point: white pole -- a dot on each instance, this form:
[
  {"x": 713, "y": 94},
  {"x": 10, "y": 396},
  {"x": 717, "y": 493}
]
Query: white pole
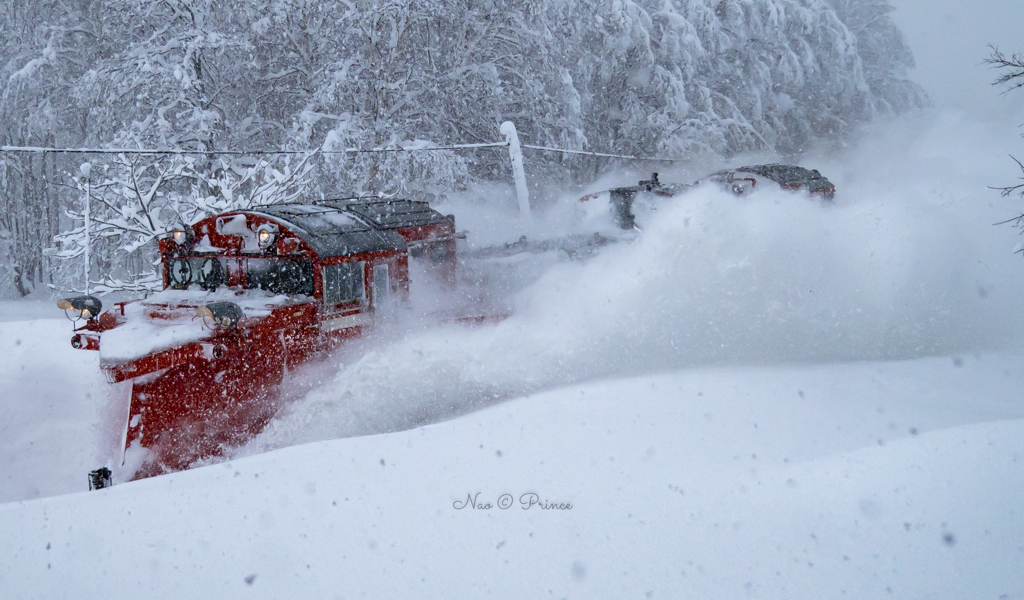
[
  {"x": 515, "y": 152},
  {"x": 86, "y": 169}
]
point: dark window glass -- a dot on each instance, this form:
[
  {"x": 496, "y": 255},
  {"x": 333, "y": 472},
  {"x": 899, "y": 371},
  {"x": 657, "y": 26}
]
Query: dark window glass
[
  {"x": 343, "y": 283},
  {"x": 179, "y": 271},
  {"x": 207, "y": 272},
  {"x": 280, "y": 276}
]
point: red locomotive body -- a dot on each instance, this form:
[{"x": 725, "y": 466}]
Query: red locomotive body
[{"x": 248, "y": 295}]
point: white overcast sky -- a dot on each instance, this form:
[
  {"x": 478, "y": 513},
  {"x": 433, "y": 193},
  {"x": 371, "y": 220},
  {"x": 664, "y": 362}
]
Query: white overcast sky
[{"x": 949, "y": 39}]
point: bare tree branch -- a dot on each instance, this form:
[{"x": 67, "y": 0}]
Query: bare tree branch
[
  {"x": 1013, "y": 65},
  {"x": 1006, "y": 191}
]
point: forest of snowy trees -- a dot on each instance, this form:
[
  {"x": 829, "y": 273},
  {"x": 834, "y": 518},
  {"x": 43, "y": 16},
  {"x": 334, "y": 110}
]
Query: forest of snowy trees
[{"x": 676, "y": 78}]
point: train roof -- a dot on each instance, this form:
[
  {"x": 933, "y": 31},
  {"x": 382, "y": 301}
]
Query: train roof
[
  {"x": 343, "y": 226},
  {"x": 390, "y": 213},
  {"x": 332, "y": 230}
]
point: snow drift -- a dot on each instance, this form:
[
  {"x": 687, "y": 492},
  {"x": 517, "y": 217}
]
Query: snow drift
[{"x": 868, "y": 480}]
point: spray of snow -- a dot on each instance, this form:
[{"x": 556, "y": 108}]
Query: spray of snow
[{"x": 905, "y": 264}]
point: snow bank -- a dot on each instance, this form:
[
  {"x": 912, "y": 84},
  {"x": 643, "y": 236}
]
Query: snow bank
[
  {"x": 869, "y": 480},
  {"x": 53, "y": 406}
]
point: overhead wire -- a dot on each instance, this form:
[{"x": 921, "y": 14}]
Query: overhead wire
[{"x": 171, "y": 152}]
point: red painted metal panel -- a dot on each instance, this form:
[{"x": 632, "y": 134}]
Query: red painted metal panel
[{"x": 191, "y": 401}]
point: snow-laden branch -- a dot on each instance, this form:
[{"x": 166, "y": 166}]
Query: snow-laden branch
[{"x": 140, "y": 197}]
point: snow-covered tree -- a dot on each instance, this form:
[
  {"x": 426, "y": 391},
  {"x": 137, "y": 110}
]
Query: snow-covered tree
[
  {"x": 135, "y": 200},
  {"x": 396, "y": 81},
  {"x": 44, "y": 47},
  {"x": 883, "y": 52}
]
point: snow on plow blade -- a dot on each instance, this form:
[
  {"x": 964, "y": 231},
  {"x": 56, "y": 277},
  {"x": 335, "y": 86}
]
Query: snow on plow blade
[{"x": 191, "y": 400}]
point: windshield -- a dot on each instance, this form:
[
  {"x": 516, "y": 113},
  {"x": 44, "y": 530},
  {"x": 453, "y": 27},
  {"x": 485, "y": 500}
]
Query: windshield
[
  {"x": 276, "y": 275},
  {"x": 280, "y": 276}
]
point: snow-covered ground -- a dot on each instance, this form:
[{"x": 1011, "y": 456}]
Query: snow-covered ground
[
  {"x": 855, "y": 480},
  {"x": 51, "y": 399},
  {"x": 763, "y": 398}
]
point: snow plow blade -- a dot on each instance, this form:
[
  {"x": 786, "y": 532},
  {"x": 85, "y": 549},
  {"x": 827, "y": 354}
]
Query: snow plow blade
[{"x": 195, "y": 409}]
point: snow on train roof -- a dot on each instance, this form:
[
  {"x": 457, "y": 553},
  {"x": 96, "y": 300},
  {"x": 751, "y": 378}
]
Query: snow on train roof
[
  {"x": 392, "y": 213},
  {"x": 333, "y": 230}
]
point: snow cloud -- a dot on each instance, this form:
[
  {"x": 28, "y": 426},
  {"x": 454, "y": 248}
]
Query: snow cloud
[{"x": 906, "y": 263}]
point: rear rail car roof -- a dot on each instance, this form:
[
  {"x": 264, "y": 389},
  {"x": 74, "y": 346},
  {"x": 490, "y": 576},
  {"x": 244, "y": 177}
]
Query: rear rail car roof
[{"x": 791, "y": 176}]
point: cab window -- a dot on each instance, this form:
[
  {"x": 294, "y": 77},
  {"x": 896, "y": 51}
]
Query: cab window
[
  {"x": 280, "y": 276},
  {"x": 344, "y": 283}
]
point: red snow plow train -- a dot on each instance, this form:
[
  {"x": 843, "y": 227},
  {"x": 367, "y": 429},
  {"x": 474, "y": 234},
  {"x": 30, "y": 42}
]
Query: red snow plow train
[{"x": 248, "y": 295}]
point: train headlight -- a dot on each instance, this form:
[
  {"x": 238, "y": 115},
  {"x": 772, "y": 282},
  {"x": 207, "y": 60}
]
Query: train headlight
[
  {"x": 267, "y": 234},
  {"x": 81, "y": 307},
  {"x": 182, "y": 235},
  {"x": 223, "y": 314}
]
